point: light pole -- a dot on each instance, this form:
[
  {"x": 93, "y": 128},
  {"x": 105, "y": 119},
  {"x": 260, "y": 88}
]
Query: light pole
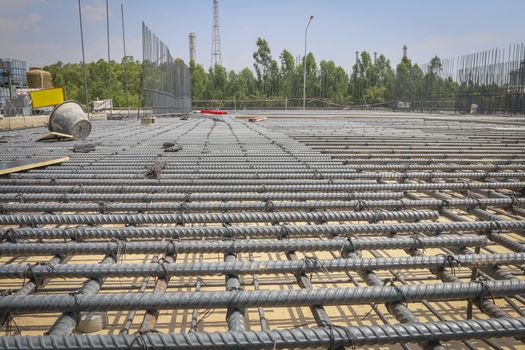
[{"x": 304, "y": 62}]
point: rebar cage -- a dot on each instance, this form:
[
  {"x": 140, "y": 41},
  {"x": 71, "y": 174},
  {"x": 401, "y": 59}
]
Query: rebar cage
[{"x": 370, "y": 231}]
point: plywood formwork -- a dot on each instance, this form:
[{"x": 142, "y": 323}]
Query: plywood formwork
[{"x": 433, "y": 205}]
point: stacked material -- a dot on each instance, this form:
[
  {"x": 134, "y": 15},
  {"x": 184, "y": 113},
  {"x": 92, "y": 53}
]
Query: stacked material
[{"x": 290, "y": 232}]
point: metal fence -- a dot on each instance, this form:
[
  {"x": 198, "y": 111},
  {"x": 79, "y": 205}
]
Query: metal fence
[
  {"x": 486, "y": 82},
  {"x": 166, "y": 81},
  {"x": 493, "y": 80}
]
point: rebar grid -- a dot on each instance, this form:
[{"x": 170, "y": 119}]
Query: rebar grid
[{"x": 294, "y": 232}]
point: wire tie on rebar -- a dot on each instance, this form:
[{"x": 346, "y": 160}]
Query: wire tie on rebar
[
  {"x": 349, "y": 246},
  {"x": 451, "y": 261},
  {"x": 201, "y": 316},
  {"x": 9, "y": 235},
  {"x": 3, "y": 210},
  {"x": 162, "y": 268},
  {"x": 444, "y": 204},
  {"x": 269, "y": 206},
  {"x": 31, "y": 275},
  {"x": 350, "y": 196},
  {"x": 180, "y": 221},
  {"x": 405, "y": 175},
  {"x": 417, "y": 243},
  {"x": 119, "y": 251},
  {"x": 399, "y": 291},
  {"x": 20, "y": 198},
  {"x": 485, "y": 289},
  {"x": 230, "y": 250},
  {"x": 63, "y": 198},
  {"x": 360, "y": 205},
  {"x": 309, "y": 264},
  {"x": 102, "y": 208},
  {"x": 331, "y": 329},
  {"x": 514, "y": 202},
  {"x": 224, "y": 221},
  {"x": 184, "y": 207},
  {"x": 172, "y": 242},
  {"x": 497, "y": 227},
  {"x": 140, "y": 340},
  {"x": 284, "y": 232}
]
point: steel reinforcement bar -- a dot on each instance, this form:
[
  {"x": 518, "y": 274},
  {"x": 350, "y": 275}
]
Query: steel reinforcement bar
[
  {"x": 265, "y": 298},
  {"x": 79, "y": 233},
  {"x": 239, "y": 246},
  {"x": 191, "y": 197},
  {"x": 306, "y": 265},
  {"x": 263, "y": 206},
  {"x": 332, "y": 336},
  {"x": 299, "y": 187},
  {"x": 224, "y": 218}
]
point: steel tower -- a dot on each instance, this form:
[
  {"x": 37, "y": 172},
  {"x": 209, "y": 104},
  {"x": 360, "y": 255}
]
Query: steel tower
[{"x": 216, "y": 56}]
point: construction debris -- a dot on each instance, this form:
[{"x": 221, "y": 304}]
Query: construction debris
[
  {"x": 154, "y": 170},
  {"x": 147, "y": 120},
  {"x": 85, "y": 148}
]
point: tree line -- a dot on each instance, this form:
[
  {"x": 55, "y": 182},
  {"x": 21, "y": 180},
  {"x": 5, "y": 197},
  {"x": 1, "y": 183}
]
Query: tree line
[
  {"x": 70, "y": 76},
  {"x": 371, "y": 81}
]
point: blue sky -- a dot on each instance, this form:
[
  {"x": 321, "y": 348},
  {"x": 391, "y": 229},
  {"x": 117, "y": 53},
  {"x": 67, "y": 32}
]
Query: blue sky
[{"x": 45, "y": 31}]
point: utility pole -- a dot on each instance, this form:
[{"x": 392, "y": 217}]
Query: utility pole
[
  {"x": 83, "y": 55},
  {"x": 125, "y": 62},
  {"x": 109, "y": 60},
  {"x": 304, "y": 62}
]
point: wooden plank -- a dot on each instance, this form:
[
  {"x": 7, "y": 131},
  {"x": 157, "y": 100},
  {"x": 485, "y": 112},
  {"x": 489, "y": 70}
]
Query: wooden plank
[
  {"x": 8, "y": 167},
  {"x": 55, "y": 136}
]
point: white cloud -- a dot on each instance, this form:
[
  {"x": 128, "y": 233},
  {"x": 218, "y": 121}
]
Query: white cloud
[{"x": 95, "y": 12}]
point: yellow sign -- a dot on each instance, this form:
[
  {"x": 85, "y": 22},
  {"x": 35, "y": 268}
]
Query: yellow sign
[{"x": 47, "y": 97}]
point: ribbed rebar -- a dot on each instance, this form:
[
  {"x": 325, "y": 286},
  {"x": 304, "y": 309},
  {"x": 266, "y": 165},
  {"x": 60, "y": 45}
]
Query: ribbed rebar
[
  {"x": 225, "y": 218},
  {"x": 297, "y": 337},
  {"x": 270, "y": 231},
  {"x": 261, "y": 188},
  {"x": 260, "y": 267},
  {"x": 267, "y": 298},
  {"x": 261, "y": 206}
]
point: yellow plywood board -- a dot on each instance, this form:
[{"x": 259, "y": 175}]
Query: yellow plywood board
[
  {"x": 55, "y": 136},
  {"x": 47, "y": 97},
  {"x": 8, "y": 167}
]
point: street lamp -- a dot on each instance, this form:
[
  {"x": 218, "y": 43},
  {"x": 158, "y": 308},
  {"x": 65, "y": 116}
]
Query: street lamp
[{"x": 304, "y": 63}]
